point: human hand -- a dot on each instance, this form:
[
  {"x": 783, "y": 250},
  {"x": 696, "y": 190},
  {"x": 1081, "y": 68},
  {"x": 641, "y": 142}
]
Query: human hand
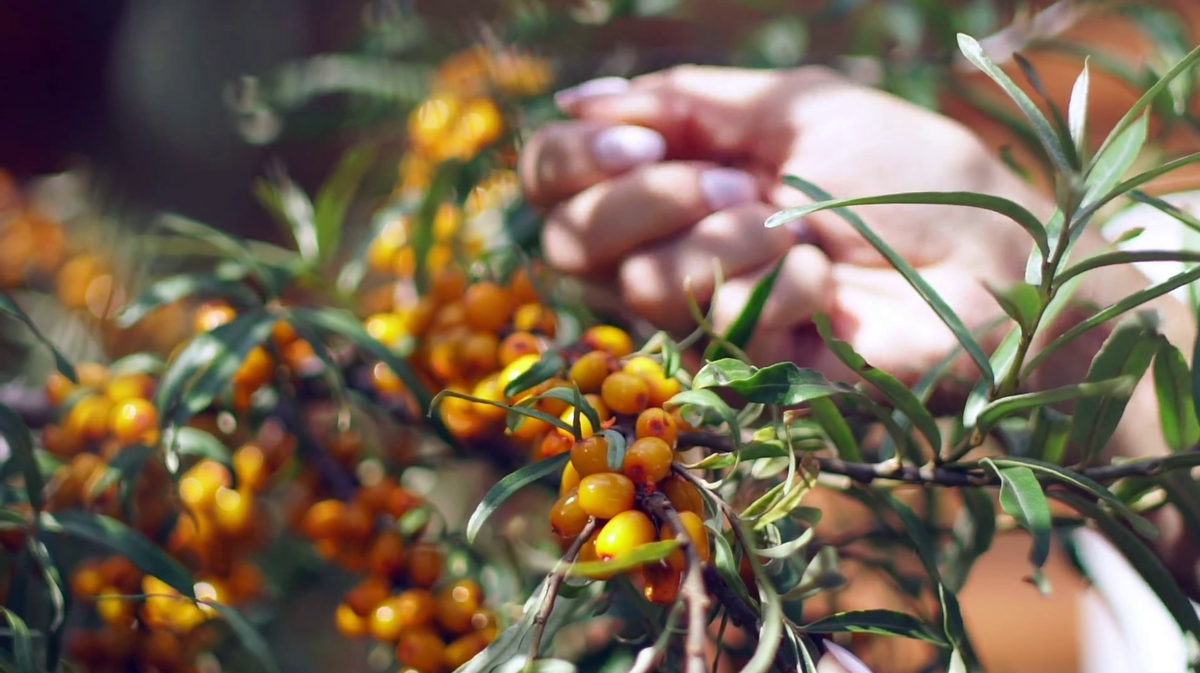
[{"x": 656, "y": 177}]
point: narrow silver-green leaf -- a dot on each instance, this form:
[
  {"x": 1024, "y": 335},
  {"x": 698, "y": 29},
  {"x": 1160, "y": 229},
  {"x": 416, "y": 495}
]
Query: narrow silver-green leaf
[
  {"x": 1007, "y": 406},
  {"x": 181, "y": 286},
  {"x": 1021, "y": 302},
  {"x": 1022, "y": 498},
  {"x": 509, "y": 485},
  {"x": 782, "y": 384},
  {"x": 742, "y": 329},
  {"x": 877, "y": 622},
  {"x": 1176, "y": 405},
  {"x": 22, "y": 642},
  {"x": 1125, "y": 257},
  {"x": 1110, "y": 166},
  {"x": 249, "y": 637},
  {"x": 835, "y": 426},
  {"x": 336, "y": 195},
  {"x": 8, "y": 306},
  {"x": 20, "y": 445},
  {"x": 1077, "y": 111}
]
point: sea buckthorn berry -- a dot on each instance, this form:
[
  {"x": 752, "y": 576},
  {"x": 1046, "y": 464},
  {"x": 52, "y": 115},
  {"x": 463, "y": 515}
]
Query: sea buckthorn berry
[
  {"x": 598, "y": 404},
  {"x": 87, "y": 581},
  {"x": 233, "y": 511},
  {"x": 160, "y": 649},
  {"x": 591, "y": 456},
  {"x": 567, "y": 517},
  {"x": 113, "y": 607},
  {"x": 246, "y": 581},
  {"x": 386, "y": 328},
  {"x": 250, "y": 465},
  {"x": 416, "y": 608},
  {"x": 92, "y": 375},
  {"x": 680, "y": 422},
  {"x": 385, "y": 381},
  {"x": 662, "y": 389},
  {"x": 282, "y": 333},
  {"x": 590, "y": 371},
  {"x": 477, "y": 354},
  {"x": 424, "y": 565},
  {"x": 387, "y": 554},
  {"x": 606, "y": 495},
  {"x": 130, "y": 386},
  {"x": 612, "y": 340},
  {"x": 439, "y": 257},
  {"x": 134, "y": 420},
  {"x": 61, "y": 441},
  {"x": 462, "y": 650},
  {"x": 368, "y": 594},
  {"x": 58, "y": 387},
  {"x": 300, "y": 357},
  {"x": 382, "y": 251},
  {"x": 656, "y": 422},
  {"x": 570, "y": 479},
  {"x": 624, "y": 533},
  {"x": 212, "y": 315},
  {"x": 643, "y": 365},
  {"x": 585, "y": 424},
  {"x": 89, "y": 417},
  {"x": 588, "y": 554},
  {"x": 648, "y": 460},
  {"x": 323, "y": 520},
  {"x": 697, "y": 533},
  {"x": 662, "y": 583},
  {"x": 457, "y": 605},
  {"x": 553, "y": 444},
  {"x": 401, "y": 501},
  {"x": 357, "y": 524},
  {"x": 535, "y": 318},
  {"x": 421, "y": 649},
  {"x": 523, "y": 287},
  {"x": 349, "y": 623},
  {"x": 517, "y": 367},
  {"x": 199, "y": 486},
  {"x": 517, "y": 345},
  {"x": 420, "y": 317},
  {"x": 625, "y": 393},
  {"x": 488, "y": 306},
  {"x": 683, "y": 496},
  {"x": 431, "y": 121},
  {"x": 404, "y": 264},
  {"x": 255, "y": 369},
  {"x": 448, "y": 285}
]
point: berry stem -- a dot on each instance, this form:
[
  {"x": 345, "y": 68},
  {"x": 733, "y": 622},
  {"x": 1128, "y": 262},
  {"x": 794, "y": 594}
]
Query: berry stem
[
  {"x": 553, "y": 583},
  {"x": 694, "y": 592}
]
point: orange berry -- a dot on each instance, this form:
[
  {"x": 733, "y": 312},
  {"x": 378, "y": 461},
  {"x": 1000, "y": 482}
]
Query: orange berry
[
  {"x": 424, "y": 565},
  {"x": 590, "y": 371},
  {"x": 422, "y": 650},
  {"x": 535, "y": 318},
  {"x": 683, "y": 495},
  {"x": 517, "y": 345},
  {"x": 588, "y": 554},
  {"x": 323, "y": 520},
  {"x": 87, "y": 581},
  {"x": 357, "y": 524},
  {"x": 349, "y": 623},
  {"x": 401, "y": 501},
  {"x": 404, "y": 264},
  {"x": 554, "y": 444},
  {"x": 624, "y": 533},
  {"x": 74, "y": 278},
  {"x": 590, "y": 456},
  {"x": 477, "y": 354},
  {"x": 58, "y": 387},
  {"x": 283, "y": 333},
  {"x": 89, "y": 418},
  {"x": 462, "y": 650},
  {"x": 299, "y": 356},
  {"x": 385, "y": 381},
  {"x": 655, "y": 422},
  {"x": 130, "y": 386},
  {"x": 446, "y": 223},
  {"x": 662, "y": 389},
  {"x": 212, "y": 315},
  {"x": 662, "y": 583},
  {"x": 567, "y": 518},
  {"x": 488, "y": 306},
  {"x": 644, "y": 365},
  {"x": 246, "y": 581},
  {"x": 61, "y": 441},
  {"x": 387, "y": 554},
  {"x": 522, "y": 286},
  {"x": 233, "y": 511},
  {"x": 570, "y": 479},
  {"x": 420, "y": 318},
  {"x": 597, "y": 403},
  {"x": 606, "y": 495},
  {"x": 92, "y": 375},
  {"x": 255, "y": 370},
  {"x": 250, "y": 465},
  {"x": 386, "y": 328},
  {"x": 625, "y": 393},
  {"x": 448, "y": 284},
  {"x": 457, "y": 605},
  {"x": 383, "y": 249},
  {"x": 160, "y": 649},
  {"x": 367, "y": 595},
  {"x": 113, "y": 608},
  {"x": 134, "y": 420},
  {"x": 693, "y": 525},
  {"x": 516, "y": 368},
  {"x": 612, "y": 340},
  {"x": 648, "y": 460}
]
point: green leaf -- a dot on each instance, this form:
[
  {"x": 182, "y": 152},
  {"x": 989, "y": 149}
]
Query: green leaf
[
  {"x": 228, "y": 246},
  {"x": 742, "y": 329},
  {"x": 1179, "y": 214},
  {"x": 788, "y": 549},
  {"x": 124, "y": 468},
  {"x": 891, "y": 388},
  {"x": 616, "y": 449},
  {"x": 707, "y": 400},
  {"x": 877, "y": 622},
  {"x": 1065, "y": 141},
  {"x": 923, "y": 288},
  {"x": 1143, "y": 559},
  {"x": 204, "y": 351},
  {"x": 1113, "y": 163},
  {"x": 123, "y": 540},
  {"x": 782, "y": 384},
  {"x": 1022, "y": 498},
  {"x": 174, "y": 288},
  {"x": 329, "y": 321},
  {"x": 509, "y": 485},
  {"x": 568, "y": 395},
  {"x": 8, "y": 306},
  {"x": 235, "y": 347},
  {"x": 138, "y": 363},
  {"x": 1148, "y": 98},
  {"x": 1021, "y": 302},
  {"x": 1077, "y": 111},
  {"x": 1132, "y": 184},
  {"x": 1081, "y": 482},
  {"x": 1176, "y": 404},
  {"x": 20, "y": 444},
  {"x": 292, "y": 209},
  {"x": 548, "y": 367},
  {"x": 771, "y": 634},
  {"x": 1125, "y": 257},
  {"x": 826, "y": 413},
  {"x": 1007, "y": 406},
  {"x": 247, "y": 635},
  {"x": 973, "y": 533},
  {"x": 439, "y": 191},
  {"x": 22, "y": 642},
  {"x": 647, "y": 553},
  {"x": 1126, "y": 353},
  {"x": 1104, "y": 315},
  {"x": 1010, "y": 209},
  {"x": 335, "y": 196},
  {"x": 1048, "y": 438},
  {"x": 1041, "y": 126}
]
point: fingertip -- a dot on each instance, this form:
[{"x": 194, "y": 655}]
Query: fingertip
[
  {"x": 568, "y": 100},
  {"x": 622, "y": 147}
]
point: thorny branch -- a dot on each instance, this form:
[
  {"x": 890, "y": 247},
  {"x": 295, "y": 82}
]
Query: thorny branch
[
  {"x": 693, "y": 589},
  {"x": 553, "y": 583}
]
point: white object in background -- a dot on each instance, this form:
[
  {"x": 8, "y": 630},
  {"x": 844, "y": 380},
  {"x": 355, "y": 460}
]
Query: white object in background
[{"x": 1161, "y": 232}]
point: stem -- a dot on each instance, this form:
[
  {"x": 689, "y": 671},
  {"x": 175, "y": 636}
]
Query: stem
[
  {"x": 553, "y": 583},
  {"x": 694, "y": 592}
]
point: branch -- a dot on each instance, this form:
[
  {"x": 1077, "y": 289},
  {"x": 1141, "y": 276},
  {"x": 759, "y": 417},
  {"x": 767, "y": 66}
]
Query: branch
[
  {"x": 553, "y": 583},
  {"x": 694, "y": 592}
]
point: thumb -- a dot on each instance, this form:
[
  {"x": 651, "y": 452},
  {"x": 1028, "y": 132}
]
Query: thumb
[{"x": 698, "y": 109}]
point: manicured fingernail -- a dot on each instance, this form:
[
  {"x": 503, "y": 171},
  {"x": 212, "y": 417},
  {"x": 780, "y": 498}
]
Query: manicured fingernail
[
  {"x": 622, "y": 147},
  {"x": 845, "y": 659},
  {"x": 603, "y": 86},
  {"x": 727, "y": 187}
]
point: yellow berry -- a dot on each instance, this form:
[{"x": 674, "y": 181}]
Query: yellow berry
[
  {"x": 624, "y": 534},
  {"x": 606, "y": 495}
]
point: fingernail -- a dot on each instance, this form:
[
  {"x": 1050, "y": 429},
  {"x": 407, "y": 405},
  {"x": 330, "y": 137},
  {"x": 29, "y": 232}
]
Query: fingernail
[
  {"x": 602, "y": 86},
  {"x": 727, "y": 187},
  {"x": 622, "y": 147},
  {"x": 845, "y": 659}
]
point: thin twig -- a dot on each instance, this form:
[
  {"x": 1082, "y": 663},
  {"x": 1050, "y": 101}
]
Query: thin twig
[
  {"x": 553, "y": 583},
  {"x": 694, "y": 592}
]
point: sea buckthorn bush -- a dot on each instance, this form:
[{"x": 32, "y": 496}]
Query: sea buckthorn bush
[{"x": 260, "y": 409}]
